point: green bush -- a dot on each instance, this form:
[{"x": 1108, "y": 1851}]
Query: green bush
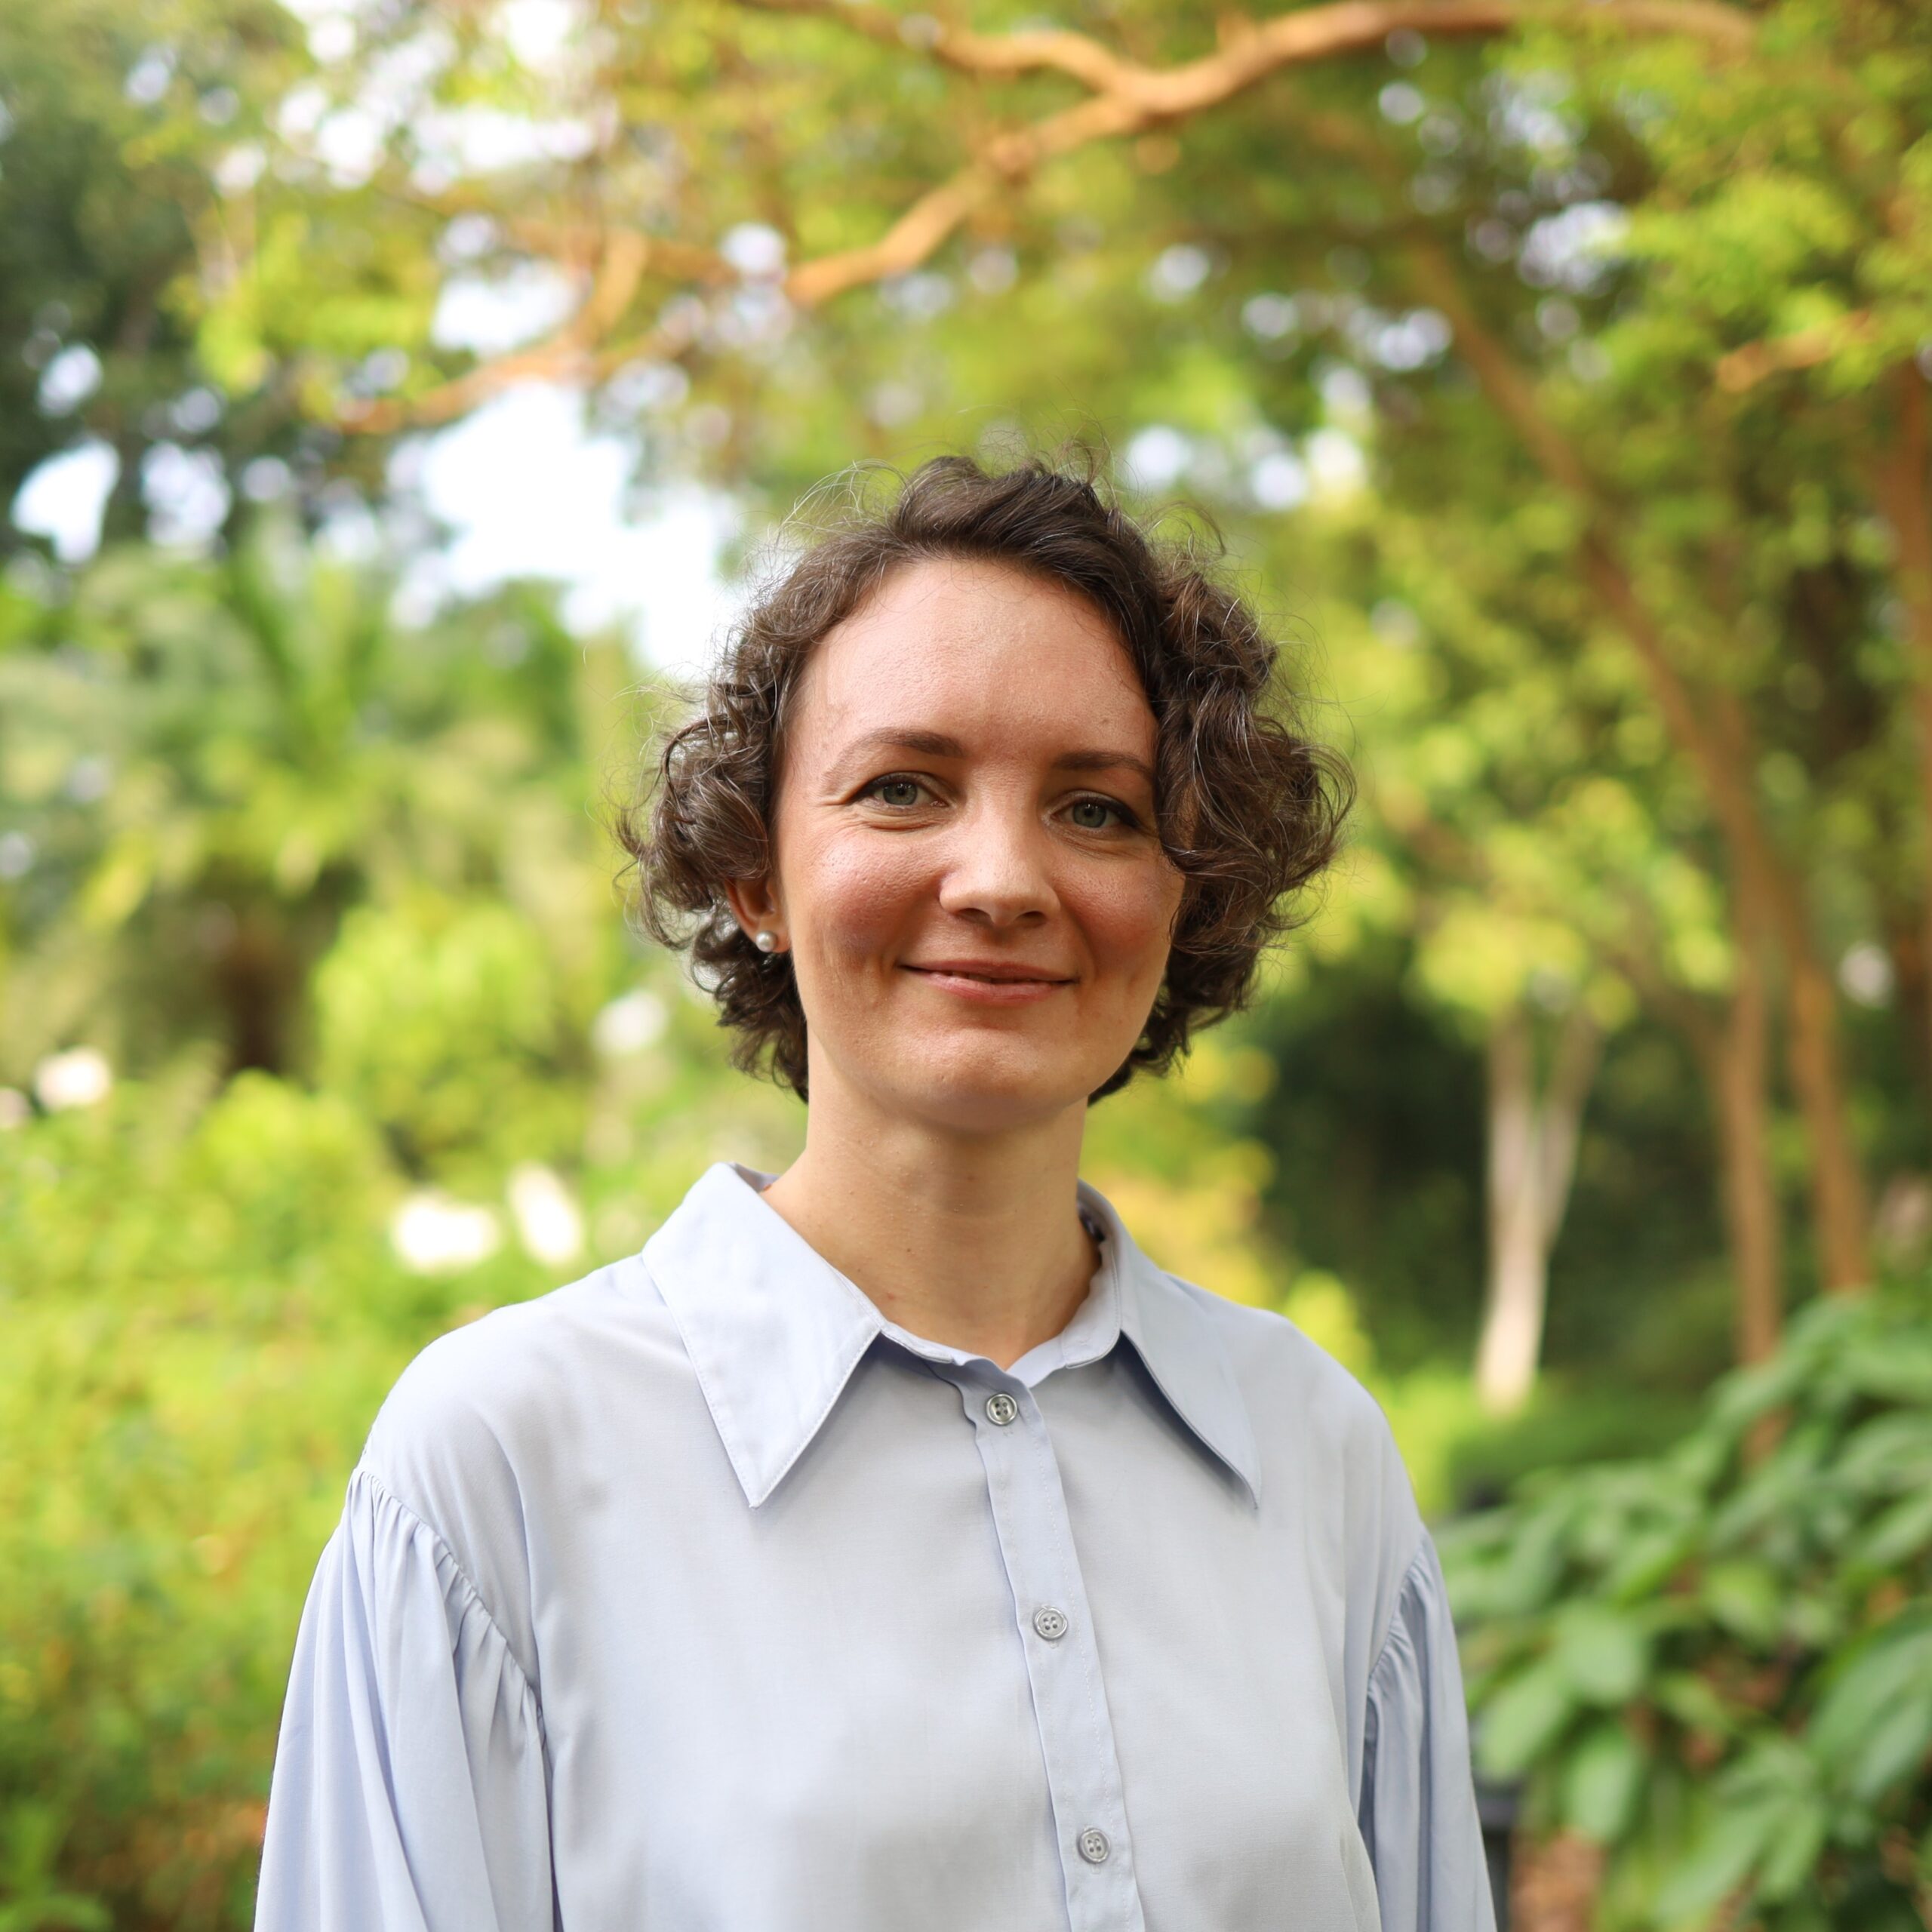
[
  {"x": 1716, "y": 1663},
  {"x": 200, "y": 1313},
  {"x": 443, "y": 1021}
]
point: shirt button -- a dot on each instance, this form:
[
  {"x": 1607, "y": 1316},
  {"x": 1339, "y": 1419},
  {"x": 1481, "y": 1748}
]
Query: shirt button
[
  {"x": 1051, "y": 1623},
  {"x": 1093, "y": 1846},
  {"x": 1001, "y": 1408}
]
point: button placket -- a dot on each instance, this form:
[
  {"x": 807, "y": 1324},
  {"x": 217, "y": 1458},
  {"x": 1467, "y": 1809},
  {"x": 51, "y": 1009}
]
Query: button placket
[{"x": 1063, "y": 1668}]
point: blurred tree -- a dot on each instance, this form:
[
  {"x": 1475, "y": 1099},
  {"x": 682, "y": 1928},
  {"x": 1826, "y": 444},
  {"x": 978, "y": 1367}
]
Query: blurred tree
[
  {"x": 213, "y": 761},
  {"x": 119, "y": 124},
  {"x": 1663, "y": 370}
]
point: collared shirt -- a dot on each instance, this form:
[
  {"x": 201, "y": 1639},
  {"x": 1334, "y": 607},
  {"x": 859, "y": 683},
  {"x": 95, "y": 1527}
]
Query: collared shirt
[{"x": 698, "y": 1597}]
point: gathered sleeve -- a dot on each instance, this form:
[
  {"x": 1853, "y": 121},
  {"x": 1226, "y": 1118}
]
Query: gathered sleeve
[
  {"x": 409, "y": 1792},
  {"x": 1418, "y": 1815}
]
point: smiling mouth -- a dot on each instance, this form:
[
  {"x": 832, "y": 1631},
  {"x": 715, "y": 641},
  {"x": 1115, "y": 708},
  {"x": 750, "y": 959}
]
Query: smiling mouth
[{"x": 993, "y": 978}]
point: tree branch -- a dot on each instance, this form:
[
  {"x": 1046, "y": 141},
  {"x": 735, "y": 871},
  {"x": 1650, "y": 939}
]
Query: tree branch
[
  {"x": 1255, "y": 49},
  {"x": 1745, "y": 368},
  {"x": 573, "y": 350},
  {"x": 1125, "y": 97},
  {"x": 1128, "y": 98}
]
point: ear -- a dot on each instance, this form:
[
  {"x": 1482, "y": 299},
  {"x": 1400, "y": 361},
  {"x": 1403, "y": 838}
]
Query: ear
[{"x": 756, "y": 908}]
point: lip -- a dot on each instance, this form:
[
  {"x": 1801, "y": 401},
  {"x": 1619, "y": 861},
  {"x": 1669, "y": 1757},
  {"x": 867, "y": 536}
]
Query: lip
[{"x": 989, "y": 982}]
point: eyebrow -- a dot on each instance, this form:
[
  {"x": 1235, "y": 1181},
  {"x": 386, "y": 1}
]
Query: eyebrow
[{"x": 938, "y": 744}]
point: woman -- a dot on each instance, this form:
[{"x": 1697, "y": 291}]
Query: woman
[{"x": 891, "y": 1545}]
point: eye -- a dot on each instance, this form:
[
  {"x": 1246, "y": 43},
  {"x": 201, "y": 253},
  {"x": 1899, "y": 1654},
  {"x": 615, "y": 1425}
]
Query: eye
[
  {"x": 897, "y": 790},
  {"x": 1096, "y": 814}
]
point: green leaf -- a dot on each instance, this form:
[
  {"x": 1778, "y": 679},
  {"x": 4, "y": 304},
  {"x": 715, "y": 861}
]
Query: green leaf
[
  {"x": 1892, "y": 1451},
  {"x": 1793, "y": 1856},
  {"x": 1894, "y": 1747},
  {"x": 1904, "y": 1531},
  {"x": 1745, "y": 1597},
  {"x": 1646, "y": 1559},
  {"x": 1897, "y": 1368},
  {"x": 1602, "y": 1652},
  {"x": 1690, "y": 1698},
  {"x": 1521, "y": 1721},
  {"x": 1875, "y": 1720},
  {"x": 1602, "y": 1780},
  {"x": 1718, "y": 1859}
]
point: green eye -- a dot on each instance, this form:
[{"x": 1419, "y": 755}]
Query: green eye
[
  {"x": 900, "y": 792},
  {"x": 1094, "y": 814}
]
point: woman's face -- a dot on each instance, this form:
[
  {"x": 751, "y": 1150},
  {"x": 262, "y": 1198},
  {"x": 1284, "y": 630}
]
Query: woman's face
[{"x": 967, "y": 872}]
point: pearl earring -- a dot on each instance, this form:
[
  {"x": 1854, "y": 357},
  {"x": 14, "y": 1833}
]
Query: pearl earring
[{"x": 765, "y": 939}]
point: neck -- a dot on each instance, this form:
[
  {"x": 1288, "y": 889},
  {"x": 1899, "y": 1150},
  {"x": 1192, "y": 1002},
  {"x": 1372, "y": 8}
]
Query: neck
[{"x": 973, "y": 1241}]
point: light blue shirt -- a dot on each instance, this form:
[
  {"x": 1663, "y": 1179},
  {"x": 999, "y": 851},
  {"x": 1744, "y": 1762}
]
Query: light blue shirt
[{"x": 698, "y": 1597}]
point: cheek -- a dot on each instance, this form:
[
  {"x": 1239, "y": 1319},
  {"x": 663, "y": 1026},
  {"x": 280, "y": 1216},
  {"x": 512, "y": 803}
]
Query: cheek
[
  {"x": 850, "y": 897},
  {"x": 1128, "y": 919}
]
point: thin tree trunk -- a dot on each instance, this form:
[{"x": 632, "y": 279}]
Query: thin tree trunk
[
  {"x": 1741, "y": 1087},
  {"x": 1902, "y": 493},
  {"x": 1734, "y": 1059},
  {"x": 1768, "y": 900},
  {"x": 1532, "y": 1160},
  {"x": 1578, "y": 1046},
  {"x": 1513, "y": 1311}
]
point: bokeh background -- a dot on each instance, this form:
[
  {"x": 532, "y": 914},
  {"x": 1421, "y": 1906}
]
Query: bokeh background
[{"x": 396, "y": 401}]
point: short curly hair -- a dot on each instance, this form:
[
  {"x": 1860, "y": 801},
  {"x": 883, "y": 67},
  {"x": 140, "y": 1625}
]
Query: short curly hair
[{"x": 1249, "y": 808}]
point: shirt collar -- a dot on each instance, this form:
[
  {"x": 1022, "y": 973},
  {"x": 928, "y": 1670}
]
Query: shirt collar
[{"x": 774, "y": 1331}]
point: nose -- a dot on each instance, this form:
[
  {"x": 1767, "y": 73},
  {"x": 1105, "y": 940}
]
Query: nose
[{"x": 998, "y": 872}]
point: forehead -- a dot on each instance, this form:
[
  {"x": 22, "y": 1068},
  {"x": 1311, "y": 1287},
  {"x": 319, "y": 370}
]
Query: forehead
[{"x": 979, "y": 650}]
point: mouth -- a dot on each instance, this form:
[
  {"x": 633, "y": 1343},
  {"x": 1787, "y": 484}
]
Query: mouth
[
  {"x": 996, "y": 972},
  {"x": 1000, "y": 982}
]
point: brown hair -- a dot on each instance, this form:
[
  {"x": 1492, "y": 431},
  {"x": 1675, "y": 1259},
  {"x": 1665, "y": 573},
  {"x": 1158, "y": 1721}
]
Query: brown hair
[{"x": 1250, "y": 809}]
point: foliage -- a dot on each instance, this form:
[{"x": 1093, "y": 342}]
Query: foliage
[
  {"x": 115, "y": 119},
  {"x": 1718, "y": 1662},
  {"x": 1445, "y": 326},
  {"x": 195, "y": 1320},
  {"x": 1583, "y": 358},
  {"x": 214, "y": 759}
]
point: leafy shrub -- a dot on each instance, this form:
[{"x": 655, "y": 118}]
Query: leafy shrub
[
  {"x": 201, "y": 1312},
  {"x": 444, "y": 1021},
  {"x": 1717, "y": 1664}
]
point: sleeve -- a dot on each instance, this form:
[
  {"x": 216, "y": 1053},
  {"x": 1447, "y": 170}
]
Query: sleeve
[
  {"x": 409, "y": 1792},
  {"x": 1418, "y": 1815}
]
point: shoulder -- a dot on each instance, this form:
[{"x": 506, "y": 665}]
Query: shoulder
[
  {"x": 483, "y": 1388},
  {"x": 1323, "y": 1440},
  {"x": 491, "y": 1423},
  {"x": 1292, "y": 1380}
]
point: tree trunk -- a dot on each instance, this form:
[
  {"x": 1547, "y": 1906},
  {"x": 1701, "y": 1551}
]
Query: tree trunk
[
  {"x": 1532, "y": 1160},
  {"x": 1902, "y": 493},
  {"x": 1741, "y": 1084},
  {"x": 1513, "y": 1310},
  {"x": 1768, "y": 899},
  {"x": 1734, "y": 1059}
]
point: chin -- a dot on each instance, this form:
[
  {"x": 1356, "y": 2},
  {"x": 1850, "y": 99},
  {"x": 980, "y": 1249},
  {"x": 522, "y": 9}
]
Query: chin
[{"x": 985, "y": 1085}]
